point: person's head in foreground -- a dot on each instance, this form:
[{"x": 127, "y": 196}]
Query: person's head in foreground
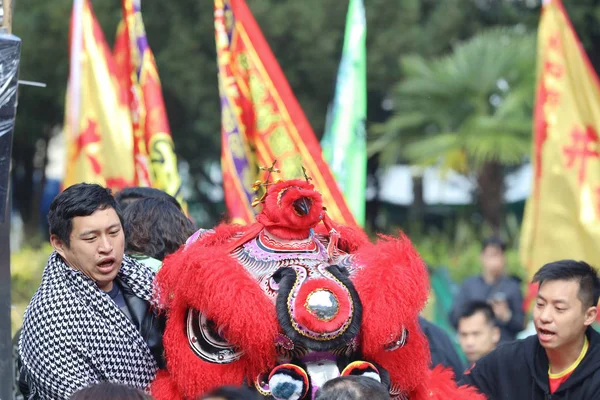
[
  {"x": 352, "y": 388},
  {"x": 155, "y": 228},
  {"x": 130, "y": 195},
  {"x": 230, "y": 393},
  {"x": 477, "y": 331},
  {"x": 566, "y": 304},
  {"x": 86, "y": 231},
  {"x": 110, "y": 391}
]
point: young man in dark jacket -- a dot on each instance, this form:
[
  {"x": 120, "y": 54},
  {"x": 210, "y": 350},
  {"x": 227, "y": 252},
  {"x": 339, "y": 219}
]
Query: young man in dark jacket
[
  {"x": 563, "y": 360},
  {"x": 493, "y": 286}
]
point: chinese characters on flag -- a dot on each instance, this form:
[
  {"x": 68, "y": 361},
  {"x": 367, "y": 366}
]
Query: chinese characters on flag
[
  {"x": 582, "y": 147},
  {"x": 562, "y": 216}
]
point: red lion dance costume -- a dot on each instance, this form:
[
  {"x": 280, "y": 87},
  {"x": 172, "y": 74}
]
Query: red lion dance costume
[{"x": 292, "y": 301}]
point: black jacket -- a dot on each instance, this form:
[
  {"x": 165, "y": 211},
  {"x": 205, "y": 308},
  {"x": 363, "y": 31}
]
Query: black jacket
[
  {"x": 519, "y": 370},
  {"x": 442, "y": 348},
  {"x": 150, "y": 325},
  {"x": 476, "y": 289}
]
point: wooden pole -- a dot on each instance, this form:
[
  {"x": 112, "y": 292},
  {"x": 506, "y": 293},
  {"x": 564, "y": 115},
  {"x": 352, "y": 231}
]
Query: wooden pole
[{"x": 7, "y": 6}]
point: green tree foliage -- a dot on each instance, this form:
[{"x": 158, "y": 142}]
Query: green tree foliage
[
  {"x": 469, "y": 111},
  {"x": 466, "y": 108}
]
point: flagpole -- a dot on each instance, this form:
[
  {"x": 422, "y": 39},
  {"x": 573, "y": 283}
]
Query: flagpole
[
  {"x": 7, "y": 7},
  {"x": 75, "y": 68}
]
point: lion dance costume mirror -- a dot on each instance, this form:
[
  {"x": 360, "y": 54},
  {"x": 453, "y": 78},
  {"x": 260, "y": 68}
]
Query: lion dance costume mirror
[{"x": 292, "y": 301}]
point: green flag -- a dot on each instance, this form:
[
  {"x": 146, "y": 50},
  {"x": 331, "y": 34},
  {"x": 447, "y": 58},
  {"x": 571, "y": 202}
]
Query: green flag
[{"x": 344, "y": 142}]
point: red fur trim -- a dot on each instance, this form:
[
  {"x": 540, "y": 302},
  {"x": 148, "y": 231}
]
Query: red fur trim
[
  {"x": 206, "y": 278},
  {"x": 308, "y": 319},
  {"x": 193, "y": 376},
  {"x": 169, "y": 276},
  {"x": 440, "y": 385},
  {"x": 393, "y": 287},
  {"x": 222, "y": 234},
  {"x": 351, "y": 239},
  {"x": 407, "y": 365},
  {"x": 164, "y": 388}
]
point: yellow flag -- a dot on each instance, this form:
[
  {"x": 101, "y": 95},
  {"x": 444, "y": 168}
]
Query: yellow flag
[
  {"x": 562, "y": 216},
  {"x": 98, "y": 125}
]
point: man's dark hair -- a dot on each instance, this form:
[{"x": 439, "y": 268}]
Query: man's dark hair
[
  {"x": 232, "y": 393},
  {"x": 79, "y": 200},
  {"x": 130, "y": 195},
  {"x": 110, "y": 391},
  {"x": 493, "y": 241},
  {"x": 571, "y": 270},
  {"x": 155, "y": 228},
  {"x": 473, "y": 307},
  {"x": 352, "y": 388}
]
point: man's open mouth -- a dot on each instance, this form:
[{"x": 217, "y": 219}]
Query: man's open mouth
[
  {"x": 106, "y": 263},
  {"x": 545, "y": 334}
]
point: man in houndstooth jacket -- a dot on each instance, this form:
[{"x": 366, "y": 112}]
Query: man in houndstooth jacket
[{"x": 90, "y": 320}]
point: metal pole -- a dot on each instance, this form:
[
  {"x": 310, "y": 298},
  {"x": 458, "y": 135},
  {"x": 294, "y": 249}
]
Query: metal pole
[
  {"x": 6, "y": 350},
  {"x": 10, "y": 49}
]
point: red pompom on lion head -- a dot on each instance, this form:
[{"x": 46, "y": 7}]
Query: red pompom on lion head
[{"x": 291, "y": 208}]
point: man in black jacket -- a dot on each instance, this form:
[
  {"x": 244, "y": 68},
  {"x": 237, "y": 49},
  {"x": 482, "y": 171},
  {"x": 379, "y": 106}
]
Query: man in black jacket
[
  {"x": 493, "y": 286},
  {"x": 563, "y": 360},
  {"x": 90, "y": 320}
]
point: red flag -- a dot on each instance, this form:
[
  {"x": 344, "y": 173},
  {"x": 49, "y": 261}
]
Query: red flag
[
  {"x": 156, "y": 162},
  {"x": 127, "y": 75},
  {"x": 261, "y": 119}
]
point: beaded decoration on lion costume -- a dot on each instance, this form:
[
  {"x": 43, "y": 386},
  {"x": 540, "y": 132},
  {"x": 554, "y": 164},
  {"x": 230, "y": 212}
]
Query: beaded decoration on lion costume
[{"x": 292, "y": 301}]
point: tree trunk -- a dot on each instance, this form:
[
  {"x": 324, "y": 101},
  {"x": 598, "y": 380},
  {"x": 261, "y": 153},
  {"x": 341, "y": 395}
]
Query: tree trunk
[
  {"x": 372, "y": 207},
  {"x": 23, "y": 180},
  {"x": 417, "y": 209},
  {"x": 34, "y": 225},
  {"x": 490, "y": 194}
]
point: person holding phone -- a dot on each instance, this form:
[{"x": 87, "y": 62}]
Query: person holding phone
[{"x": 501, "y": 292}]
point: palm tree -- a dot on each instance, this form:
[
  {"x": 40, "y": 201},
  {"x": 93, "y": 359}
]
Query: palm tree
[{"x": 469, "y": 111}]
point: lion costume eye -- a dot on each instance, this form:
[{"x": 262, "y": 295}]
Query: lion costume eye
[
  {"x": 282, "y": 192},
  {"x": 399, "y": 342},
  {"x": 206, "y": 340},
  {"x": 280, "y": 195}
]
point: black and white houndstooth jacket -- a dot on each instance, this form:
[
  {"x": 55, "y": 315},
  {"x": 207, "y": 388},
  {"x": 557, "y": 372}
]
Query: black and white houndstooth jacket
[{"x": 74, "y": 335}]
